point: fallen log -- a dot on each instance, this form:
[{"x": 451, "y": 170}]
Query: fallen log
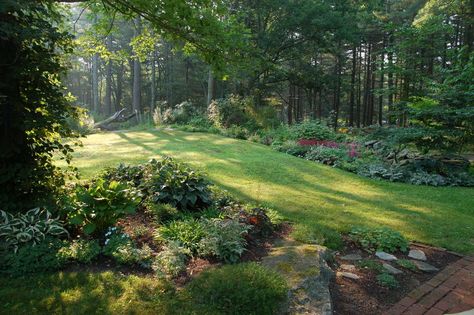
[{"x": 115, "y": 118}]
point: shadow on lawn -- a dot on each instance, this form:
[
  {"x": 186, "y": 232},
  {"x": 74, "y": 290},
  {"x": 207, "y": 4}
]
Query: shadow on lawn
[{"x": 315, "y": 195}]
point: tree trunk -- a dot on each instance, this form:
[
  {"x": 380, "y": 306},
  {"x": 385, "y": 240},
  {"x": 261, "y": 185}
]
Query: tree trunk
[
  {"x": 136, "y": 93},
  {"x": 108, "y": 80},
  {"x": 211, "y": 92},
  {"x": 352, "y": 97}
]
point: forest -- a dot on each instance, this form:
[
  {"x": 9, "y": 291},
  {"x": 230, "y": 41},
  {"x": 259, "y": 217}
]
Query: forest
[{"x": 236, "y": 156}]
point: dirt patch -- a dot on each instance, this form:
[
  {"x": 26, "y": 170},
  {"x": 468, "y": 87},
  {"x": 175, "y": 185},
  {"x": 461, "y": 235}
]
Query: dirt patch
[{"x": 365, "y": 295}]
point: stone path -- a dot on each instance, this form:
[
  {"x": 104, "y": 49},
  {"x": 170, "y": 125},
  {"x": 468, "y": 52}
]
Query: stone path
[{"x": 450, "y": 291}]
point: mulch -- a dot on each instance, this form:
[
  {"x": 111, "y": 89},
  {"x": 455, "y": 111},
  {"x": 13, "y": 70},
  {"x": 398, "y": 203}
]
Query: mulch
[{"x": 366, "y": 296}]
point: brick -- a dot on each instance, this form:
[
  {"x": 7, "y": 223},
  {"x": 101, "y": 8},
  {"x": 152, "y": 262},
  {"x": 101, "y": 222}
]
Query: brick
[
  {"x": 434, "y": 296},
  {"x": 441, "y": 276},
  {"x": 407, "y": 301},
  {"x": 434, "y": 311},
  {"x": 434, "y": 282},
  {"x": 396, "y": 310},
  {"x": 416, "y": 309},
  {"x": 469, "y": 258}
]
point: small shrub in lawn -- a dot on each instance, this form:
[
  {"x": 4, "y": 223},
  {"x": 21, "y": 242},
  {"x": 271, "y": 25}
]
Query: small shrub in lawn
[
  {"x": 407, "y": 264},
  {"x": 101, "y": 205},
  {"x": 237, "y": 132},
  {"x": 168, "y": 181},
  {"x": 31, "y": 227},
  {"x": 379, "y": 239},
  {"x": 370, "y": 264},
  {"x": 32, "y": 258},
  {"x": 238, "y": 289},
  {"x": 224, "y": 239},
  {"x": 387, "y": 280},
  {"x": 161, "y": 212},
  {"x": 81, "y": 250},
  {"x": 171, "y": 260},
  {"x": 188, "y": 233}
]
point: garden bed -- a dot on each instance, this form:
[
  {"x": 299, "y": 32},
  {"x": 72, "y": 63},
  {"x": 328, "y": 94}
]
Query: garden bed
[{"x": 366, "y": 295}]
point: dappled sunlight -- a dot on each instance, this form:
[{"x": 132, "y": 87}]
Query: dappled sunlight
[{"x": 312, "y": 194}]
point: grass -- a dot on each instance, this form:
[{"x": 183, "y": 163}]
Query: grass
[
  {"x": 317, "y": 198},
  {"x": 234, "y": 289}
]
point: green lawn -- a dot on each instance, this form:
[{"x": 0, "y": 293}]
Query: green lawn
[{"x": 316, "y": 197}]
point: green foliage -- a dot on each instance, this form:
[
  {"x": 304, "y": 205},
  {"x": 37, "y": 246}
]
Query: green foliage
[
  {"x": 379, "y": 239},
  {"x": 162, "y": 212},
  {"x": 82, "y": 250},
  {"x": 123, "y": 173},
  {"x": 291, "y": 147},
  {"x": 101, "y": 204},
  {"x": 122, "y": 249},
  {"x": 370, "y": 264},
  {"x": 171, "y": 261},
  {"x": 31, "y": 227},
  {"x": 237, "y": 132},
  {"x": 82, "y": 123},
  {"x": 387, "y": 280},
  {"x": 224, "y": 239},
  {"x": 187, "y": 233},
  {"x": 34, "y": 107},
  {"x": 317, "y": 235},
  {"x": 312, "y": 129},
  {"x": 221, "y": 197},
  {"x": 171, "y": 182},
  {"x": 230, "y": 111},
  {"x": 33, "y": 258},
  {"x": 182, "y": 113},
  {"x": 238, "y": 289},
  {"x": 408, "y": 264},
  {"x": 327, "y": 155},
  {"x": 381, "y": 171}
]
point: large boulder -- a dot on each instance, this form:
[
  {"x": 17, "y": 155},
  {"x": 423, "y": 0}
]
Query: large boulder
[{"x": 307, "y": 273}]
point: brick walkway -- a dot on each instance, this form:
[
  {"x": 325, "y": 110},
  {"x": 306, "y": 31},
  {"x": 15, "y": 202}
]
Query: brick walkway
[{"x": 450, "y": 291}]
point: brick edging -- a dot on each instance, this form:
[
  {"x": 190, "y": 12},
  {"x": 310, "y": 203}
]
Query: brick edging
[{"x": 439, "y": 293}]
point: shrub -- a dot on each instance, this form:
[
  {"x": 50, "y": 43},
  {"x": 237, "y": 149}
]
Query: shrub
[
  {"x": 311, "y": 129},
  {"x": 381, "y": 171},
  {"x": 82, "y": 250},
  {"x": 180, "y": 114},
  {"x": 224, "y": 113},
  {"x": 30, "y": 227},
  {"x": 187, "y": 233},
  {"x": 171, "y": 182},
  {"x": 238, "y": 289},
  {"x": 327, "y": 155},
  {"x": 221, "y": 197},
  {"x": 293, "y": 148},
  {"x": 102, "y": 203},
  {"x": 387, "y": 280},
  {"x": 171, "y": 260},
  {"x": 83, "y": 123},
  {"x": 237, "y": 132},
  {"x": 161, "y": 212},
  {"x": 123, "y": 250},
  {"x": 32, "y": 258},
  {"x": 124, "y": 174},
  {"x": 424, "y": 178},
  {"x": 224, "y": 239},
  {"x": 379, "y": 239}
]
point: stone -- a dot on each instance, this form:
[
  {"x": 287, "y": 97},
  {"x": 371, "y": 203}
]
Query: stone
[
  {"x": 424, "y": 266},
  {"x": 385, "y": 256},
  {"x": 348, "y": 267},
  {"x": 370, "y": 143},
  {"x": 417, "y": 254},
  {"x": 392, "y": 270},
  {"x": 305, "y": 269},
  {"x": 348, "y": 275},
  {"x": 352, "y": 257},
  {"x": 403, "y": 154}
]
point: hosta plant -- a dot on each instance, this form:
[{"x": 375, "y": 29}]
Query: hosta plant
[
  {"x": 102, "y": 203},
  {"x": 168, "y": 181},
  {"x": 32, "y": 227}
]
